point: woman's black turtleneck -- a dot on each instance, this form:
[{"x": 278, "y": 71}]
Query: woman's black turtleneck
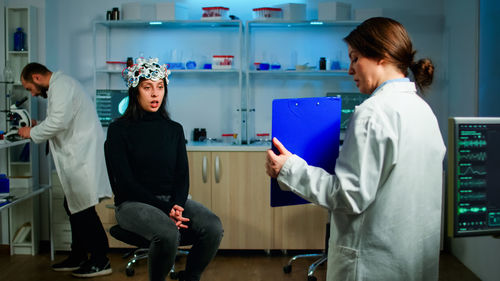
[{"x": 147, "y": 158}]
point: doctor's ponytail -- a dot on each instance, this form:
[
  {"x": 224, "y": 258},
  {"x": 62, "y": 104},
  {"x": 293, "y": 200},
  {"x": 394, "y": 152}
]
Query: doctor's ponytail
[{"x": 423, "y": 71}]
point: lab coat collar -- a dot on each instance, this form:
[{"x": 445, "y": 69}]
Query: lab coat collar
[
  {"x": 53, "y": 79},
  {"x": 400, "y": 86}
]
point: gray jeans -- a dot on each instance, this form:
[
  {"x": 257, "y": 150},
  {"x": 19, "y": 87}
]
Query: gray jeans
[{"x": 204, "y": 233}]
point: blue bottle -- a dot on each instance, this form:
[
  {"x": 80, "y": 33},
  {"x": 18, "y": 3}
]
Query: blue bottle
[
  {"x": 4, "y": 183},
  {"x": 19, "y": 40}
]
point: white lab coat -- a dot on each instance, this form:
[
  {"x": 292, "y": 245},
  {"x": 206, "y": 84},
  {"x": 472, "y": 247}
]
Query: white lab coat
[
  {"x": 385, "y": 199},
  {"x": 76, "y": 141}
]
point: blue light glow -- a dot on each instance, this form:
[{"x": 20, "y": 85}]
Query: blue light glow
[{"x": 122, "y": 106}]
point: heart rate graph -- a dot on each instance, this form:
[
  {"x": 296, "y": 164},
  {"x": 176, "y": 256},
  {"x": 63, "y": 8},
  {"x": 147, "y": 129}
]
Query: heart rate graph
[
  {"x": 468, "y": 155},
  {"x": 467, "y": 169}
]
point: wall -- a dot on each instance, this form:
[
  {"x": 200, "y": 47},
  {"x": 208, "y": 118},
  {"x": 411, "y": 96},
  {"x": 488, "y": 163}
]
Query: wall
[{"x": 479, "y": 254}]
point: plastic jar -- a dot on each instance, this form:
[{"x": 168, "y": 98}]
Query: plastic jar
[
  {"x": 222, "y": 62},
  {"x": 229, "y": 138},
  {"x": 266, "y": 13},
  {"x": 262, "y": 137},
  {"x": 115, "y": 65},
  {"x": 214, "y": 13}
]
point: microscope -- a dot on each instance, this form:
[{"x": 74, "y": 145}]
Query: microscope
[{"x": 17, "y": 118}]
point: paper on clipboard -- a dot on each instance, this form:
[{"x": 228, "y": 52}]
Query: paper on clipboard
[{"x": 309, "y": 128}]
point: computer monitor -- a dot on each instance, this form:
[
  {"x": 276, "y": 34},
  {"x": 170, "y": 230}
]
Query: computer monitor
[
  {"x": 349, "y": 103},
  {"x": 473, "y": 176},
  {"x": 110, "y": 104}
]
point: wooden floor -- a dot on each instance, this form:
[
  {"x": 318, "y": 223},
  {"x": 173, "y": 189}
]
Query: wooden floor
[{"x": 227, "y": 265}]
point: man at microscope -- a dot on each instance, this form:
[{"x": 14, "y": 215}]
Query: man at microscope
[{"x": 76, "y": 141}]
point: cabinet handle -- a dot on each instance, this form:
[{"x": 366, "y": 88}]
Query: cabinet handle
[
  {"x": 204, "y": 169},
  {"x": 217, "y": 169}
]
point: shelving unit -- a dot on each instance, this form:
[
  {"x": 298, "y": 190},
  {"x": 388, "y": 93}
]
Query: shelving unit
[
  {"x": 173, "y": 42},
  {"x": 22, "y": 156},
  {"x": 324, "y": 39},
  {"x": 243, "y": 103},
  {"x": 24, "y": 17}
]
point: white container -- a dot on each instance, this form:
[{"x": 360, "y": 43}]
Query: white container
[
  {"x": 115, "y": 65},
  {"x": 171, "y": 11},
  {"x": 229, "y": 138},
  {"x": 135, "y": 11},
  {"x": 20, "y": 182},
  {"x": 222, "y": 62},
  {"x": 214, "y": 13},
  {"x": 262, "y": 137},
  {"x": 266, "y": 13},
  {"x": 293, "y": 12},
  {"x": 154, "y": 12},
  {"x": 331, "y": 11}
]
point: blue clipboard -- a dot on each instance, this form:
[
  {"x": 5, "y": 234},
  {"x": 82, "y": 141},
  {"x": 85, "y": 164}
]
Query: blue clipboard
[{"x": 309, "y": 128}]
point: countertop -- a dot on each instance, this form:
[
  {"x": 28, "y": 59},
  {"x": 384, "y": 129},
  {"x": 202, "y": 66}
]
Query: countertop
[{"x": 219, "y": 146}]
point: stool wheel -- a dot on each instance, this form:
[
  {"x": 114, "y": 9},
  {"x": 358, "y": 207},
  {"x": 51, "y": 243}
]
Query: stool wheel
[
  {"x": 311, "y": 278},
  {"x": 174, "y": 275},
  {"x": 130, "y": 271},
  {"x": 287, "y": 268}
]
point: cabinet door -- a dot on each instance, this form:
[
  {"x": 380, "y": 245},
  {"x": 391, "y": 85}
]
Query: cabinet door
[
  {"x": 200, "y": 177},
  {"x": 240, "y": 197},
  {"x": 300, "y": 227}
]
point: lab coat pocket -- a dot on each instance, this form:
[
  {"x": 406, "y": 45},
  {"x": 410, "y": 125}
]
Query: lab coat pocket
[{"x": 343, "y": 262}]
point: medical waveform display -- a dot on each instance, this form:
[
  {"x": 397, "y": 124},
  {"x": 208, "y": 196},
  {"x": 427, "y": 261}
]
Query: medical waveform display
[
  {"x": 467, "y": 169},
  {"x": 466, "y": 155},
  {"x": 471, "y": 196},
  {"x": 471, "y": 183},
  {"x": 477, "y": 179},
  {"x": 110, "y": 104},
  {"x": 349, "y": 101}
]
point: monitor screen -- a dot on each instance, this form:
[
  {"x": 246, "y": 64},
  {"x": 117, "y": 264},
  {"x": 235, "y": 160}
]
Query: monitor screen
[
  {"x": 474, "y": 176},
  {"x": 349, "y": 103},
  {"x": 110, "y": 104}
]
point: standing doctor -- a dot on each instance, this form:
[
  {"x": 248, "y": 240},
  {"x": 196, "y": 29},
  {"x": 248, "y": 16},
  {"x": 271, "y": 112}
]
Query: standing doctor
[
  {"x": 76, "y": 140},
  {"x": 385, "y": 195}
]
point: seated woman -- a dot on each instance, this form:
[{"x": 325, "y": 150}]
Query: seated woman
[{"x": 146, "y": 154}]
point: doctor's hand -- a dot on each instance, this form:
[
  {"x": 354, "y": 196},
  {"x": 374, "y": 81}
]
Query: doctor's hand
[
  {"x": 176, "y": 216},
  {"x": 24, "y": 132},
  {"x": 274, "y": 162}
]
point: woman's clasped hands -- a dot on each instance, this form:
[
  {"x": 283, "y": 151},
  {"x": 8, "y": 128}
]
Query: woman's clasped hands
[{"x": 176, "y": 216}]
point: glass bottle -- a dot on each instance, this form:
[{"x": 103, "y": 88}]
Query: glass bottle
[
  {"x": 8, "y": 73},
  {"x": 130, "y": 61},
  {"x": 322, "y": 63},
  {"x": 115, "y": 14},
  {"x": 19, "y": 40}
]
